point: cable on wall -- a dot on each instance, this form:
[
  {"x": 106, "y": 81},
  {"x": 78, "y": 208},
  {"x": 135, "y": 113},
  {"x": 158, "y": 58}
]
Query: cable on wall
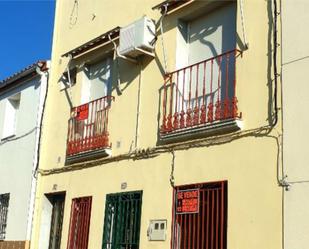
[
  {"x": 69, "y": 79},
  {"x": 115, "y": 57},
  {"x": 162, "y": 40},
  {"x": 18, "y": 137},
  {"x": 172, "y": 182},
  {"x": 275, "y": 44},
  {"x": 161, "y": 149},
  {"x": 138, "y": 105},
  {"x": 172, "y": 177},
  {"x": 74, "y": 14}
]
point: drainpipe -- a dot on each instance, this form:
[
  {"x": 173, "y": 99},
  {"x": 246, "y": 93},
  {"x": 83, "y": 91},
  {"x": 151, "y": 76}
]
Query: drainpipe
[
  {"x": 276, "y": 75},
  {"x": 42, "y": 71}
]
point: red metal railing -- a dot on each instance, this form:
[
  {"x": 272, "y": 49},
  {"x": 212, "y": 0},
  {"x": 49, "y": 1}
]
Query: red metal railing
[
  {"x": 200, "y": 94},
  {"x": 88, "y": 126},
  {"x": 206, "y": 228},
  {"x": 79, "y": 223}
]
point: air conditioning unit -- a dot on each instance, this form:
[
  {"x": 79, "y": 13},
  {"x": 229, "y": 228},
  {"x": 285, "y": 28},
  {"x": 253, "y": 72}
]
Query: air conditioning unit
[{"x": 137, "y": 38}]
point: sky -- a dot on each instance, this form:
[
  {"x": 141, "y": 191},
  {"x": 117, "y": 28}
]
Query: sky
[{"x": 26, "y": 29}]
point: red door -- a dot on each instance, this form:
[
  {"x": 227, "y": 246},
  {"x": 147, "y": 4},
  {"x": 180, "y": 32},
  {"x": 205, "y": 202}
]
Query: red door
[
  {"x": 79, "y": 223},
  {"x": 200, "y": 216}
]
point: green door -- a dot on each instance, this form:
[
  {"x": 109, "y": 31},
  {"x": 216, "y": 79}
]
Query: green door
[{"x": 122, "y": 220}]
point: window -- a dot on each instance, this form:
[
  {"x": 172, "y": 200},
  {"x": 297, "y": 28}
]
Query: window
[
  {"x": 200, "y": 216},
  {"x": 88, "y": 125},
  {"x": 57, "y": 201},
  {"x": 72, "y": 73},
  {"x": 10, "y": 116},
  {"x": 207, "y": 38},
  {"x": 202, "y": 90},
  {"x": 122, "y": 220},
  {"x": 79, "y": 223},
  {"x": 97, "y": 80},
  {"x": 4, "y": 206}
]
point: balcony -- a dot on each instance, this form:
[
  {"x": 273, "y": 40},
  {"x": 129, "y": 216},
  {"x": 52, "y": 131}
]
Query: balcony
[
  {"x": 88, "y": 130},
  {"x": 201, "y": 98}
]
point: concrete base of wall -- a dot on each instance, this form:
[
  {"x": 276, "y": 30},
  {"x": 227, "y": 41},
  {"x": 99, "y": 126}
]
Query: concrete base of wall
[{"x": 14, "y": 244}]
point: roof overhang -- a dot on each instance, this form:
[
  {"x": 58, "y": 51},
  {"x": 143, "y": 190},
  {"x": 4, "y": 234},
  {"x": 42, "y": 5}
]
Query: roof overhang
[
  {"x": 22, "y": 76},
  {"x": 95, "y": 43}
]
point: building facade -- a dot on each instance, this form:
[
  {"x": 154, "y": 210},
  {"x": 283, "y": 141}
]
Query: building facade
[
  {"x": 171, "y": 147},
  {"x": 21, "y": 105},
  {"x": 295, "y": 135}
]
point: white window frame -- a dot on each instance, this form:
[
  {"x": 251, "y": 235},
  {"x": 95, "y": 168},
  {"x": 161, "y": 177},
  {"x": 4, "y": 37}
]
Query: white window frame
[
  {"x": 87, "y": 95},
  {"x": 12, "y": 106}
]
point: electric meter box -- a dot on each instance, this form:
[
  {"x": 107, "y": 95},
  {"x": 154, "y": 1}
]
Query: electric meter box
[
  {"x": 137, "y": 38},
  {"x": 157, "y": 230}
]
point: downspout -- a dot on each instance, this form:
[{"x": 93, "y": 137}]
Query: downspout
[
  {"x": 284, "y": 182},
  {"x": 275, "y": 41},
  {"x": 43, "y": 72}
]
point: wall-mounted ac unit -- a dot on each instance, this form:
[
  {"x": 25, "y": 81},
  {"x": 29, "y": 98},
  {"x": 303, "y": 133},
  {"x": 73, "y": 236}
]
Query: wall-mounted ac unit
[{"x": 137, "y": 38}]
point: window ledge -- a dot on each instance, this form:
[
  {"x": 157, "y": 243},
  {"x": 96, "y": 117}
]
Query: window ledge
[
  {"x": 215, "y": 128},
  {"x": 88, "y": 155}
]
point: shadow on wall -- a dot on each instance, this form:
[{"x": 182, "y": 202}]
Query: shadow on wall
[
  {"x": 206, "y": 37},
  {"x": 227, "y": 43}
]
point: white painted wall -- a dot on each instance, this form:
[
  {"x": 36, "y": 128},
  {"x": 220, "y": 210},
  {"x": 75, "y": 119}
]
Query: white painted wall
[
  {"x": 17, "y": 158},
  {"x": 295, "y": 60}
]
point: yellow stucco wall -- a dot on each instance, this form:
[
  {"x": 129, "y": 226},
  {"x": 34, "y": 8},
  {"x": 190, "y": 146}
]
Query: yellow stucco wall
[{"x": 247, "y": 162}]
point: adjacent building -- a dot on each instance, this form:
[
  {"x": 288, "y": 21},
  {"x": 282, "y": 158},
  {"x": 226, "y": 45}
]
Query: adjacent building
[
  {"x": 295, "y": 87},
  {"x": 162, "y": 127},
  {"x": 22, "y": 98}
]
